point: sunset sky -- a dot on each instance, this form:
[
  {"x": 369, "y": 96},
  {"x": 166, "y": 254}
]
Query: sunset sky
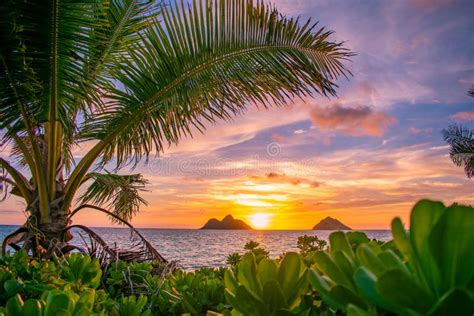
[{"x": 362, "y": 158}]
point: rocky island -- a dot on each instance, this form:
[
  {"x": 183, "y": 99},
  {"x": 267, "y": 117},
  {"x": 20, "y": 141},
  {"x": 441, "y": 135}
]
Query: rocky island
[
  {"x": 228, "y": 222},
  {"x": 330, "y": 223}
]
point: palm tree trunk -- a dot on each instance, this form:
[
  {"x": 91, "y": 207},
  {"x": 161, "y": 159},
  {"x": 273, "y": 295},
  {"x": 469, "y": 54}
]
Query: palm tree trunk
[{"x": 52, "y": 231}]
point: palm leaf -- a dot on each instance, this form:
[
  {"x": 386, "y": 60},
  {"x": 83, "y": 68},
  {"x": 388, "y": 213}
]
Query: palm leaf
[
  {"x": 140, "y": 250},
  {"x": 209, "y": 61},
  {"x": 461, "y": 140},
  {"x": 120, "y": 193}
]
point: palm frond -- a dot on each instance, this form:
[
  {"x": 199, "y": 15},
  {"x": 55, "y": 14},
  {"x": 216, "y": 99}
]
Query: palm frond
[
  {"x": 14, "y": 238},
  {"x": 140, "y": 250},
  {"x": 124, "y": 21},
  {"x": 94, "y": 247},
  {"x": 5, "y": 183},
  {"x": 209, "y": 61},
  {"x": 18, "y": 180},
  {"x": 461, "y": 140},
  {"x": 120, "y": 193}
]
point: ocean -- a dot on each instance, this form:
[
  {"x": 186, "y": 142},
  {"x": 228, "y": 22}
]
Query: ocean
[{"x": 193, "y": 248}]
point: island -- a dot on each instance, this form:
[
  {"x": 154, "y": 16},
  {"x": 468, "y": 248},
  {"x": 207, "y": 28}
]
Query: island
[
  {"x": 330, "y": 223},
  {"x": 228, "y": 222}
]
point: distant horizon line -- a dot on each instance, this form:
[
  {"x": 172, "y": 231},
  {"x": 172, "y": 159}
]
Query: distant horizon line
[{"x": 254, "y": 229}]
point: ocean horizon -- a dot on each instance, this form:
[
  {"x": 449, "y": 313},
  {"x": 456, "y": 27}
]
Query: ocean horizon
[{"x": 196, "y": 248}]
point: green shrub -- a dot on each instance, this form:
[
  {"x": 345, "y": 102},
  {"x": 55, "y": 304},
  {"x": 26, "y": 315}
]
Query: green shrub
[
  {"x": 192, "y": 292},
  {"x": 81, "y": 271},
  {"x": 132, "y": 306},
  {"x": 426, "y": 271},
  {"x": 233, "y": 259},
  {"x": 308, "y": 244},
  {"x": 267, "y": 287},
  {"x": 53, "y": 303},
  {"x": 430, "y": 272}
]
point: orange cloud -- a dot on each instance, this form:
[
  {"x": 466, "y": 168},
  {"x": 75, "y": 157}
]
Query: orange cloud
[
  {"x": 356, "y": 121},
  {"x": 289, "y": 179}
]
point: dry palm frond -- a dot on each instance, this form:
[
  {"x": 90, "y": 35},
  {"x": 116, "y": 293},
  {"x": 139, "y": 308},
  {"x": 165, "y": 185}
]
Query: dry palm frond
[
  {"x": 141, "y": 249},
  {"x": 14, "y": 239},
  {"x": 95, "y": 246}
]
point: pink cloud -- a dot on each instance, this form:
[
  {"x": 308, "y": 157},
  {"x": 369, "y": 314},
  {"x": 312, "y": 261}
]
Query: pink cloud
[
  {"x": 420, "y": 131},
  {"x": 355, "y": 121},
  {"x": 463, "y": 116},
  {"x": 433, "y": 4}
]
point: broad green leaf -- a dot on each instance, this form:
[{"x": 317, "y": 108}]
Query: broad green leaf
[
  {"x": 247, "y": 274},
  {"x": 57, "y": 302},
  {"x": 289, "y": 273},
  {"x": 248, "y": 304},
  {"x": 391, "y": 261},
  {"x": 327, "y": 266},
  {"x": 320, "y": 285},
  {"x": 369, "y": 259},
  {"x": 32, "y": 307},
  {"x": 424, "y": 216},
  {"x": 267, "y": 270},
  {"x": 451, "y": 243},
  {"x": 366, "y": 282},
  {"x": 357, "y": 238},
  {"x": 456, "y": 302},
  {"x": 11, "y": 287},
  {"x": 87, "y": 298},
  {"x": 14, "y": 305},
  {"x": 230, "y": 281},
  {"x": 273, "y": 296},
  {"x": 345, "y": 296},
  {"x": 345, "y": 264},
  {"x": 401, "y": 240},
  {"x": 338, "y": 242},
  {"x": 399, "y": 289},
  {"x": 353, "y": 310},
  {"x": 301, "y": 287}
]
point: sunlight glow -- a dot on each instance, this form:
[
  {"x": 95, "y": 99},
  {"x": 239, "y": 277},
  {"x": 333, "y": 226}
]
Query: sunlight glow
[{"x": 259, "y": 220}]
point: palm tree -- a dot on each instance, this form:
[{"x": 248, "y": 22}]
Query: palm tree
[
  {"x": 127, "y": 78},
  {"x": 461, "y": 140}
]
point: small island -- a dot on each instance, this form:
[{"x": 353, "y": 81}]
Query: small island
[
  {"x": 228, "y": 222},
  {"x": 330, "y": 223}
]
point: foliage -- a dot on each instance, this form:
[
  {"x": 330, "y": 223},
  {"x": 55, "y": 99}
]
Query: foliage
[
  {"x": 192, "y": 292},
  {"x": 252, "y": 246},
  {"x": 430, "y": 273},
  {"x": 334, "y": 271},
  {"x": 308, "y": 244},
  {"x": 267, "y": 287},
  {"x": 130, "y": 78},
  {"x": 426, "y": 271},
  {"x": 133, "y": 306},
  {"x": 61, "y": 286},
  {"x": 461, "y": 140},
  {"x": 233, "y": 259},
  {"x": 259, "y": 252},
  {"x": 118, "y": 192}
]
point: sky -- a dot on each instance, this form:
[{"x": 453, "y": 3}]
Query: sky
[{"x": 363, "y": 157}]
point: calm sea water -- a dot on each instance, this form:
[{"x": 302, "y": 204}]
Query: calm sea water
[{"x": 194, "y": 248}]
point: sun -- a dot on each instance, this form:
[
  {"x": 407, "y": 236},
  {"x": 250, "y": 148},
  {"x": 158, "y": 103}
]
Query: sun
[{"x": 259, "y": 220}]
